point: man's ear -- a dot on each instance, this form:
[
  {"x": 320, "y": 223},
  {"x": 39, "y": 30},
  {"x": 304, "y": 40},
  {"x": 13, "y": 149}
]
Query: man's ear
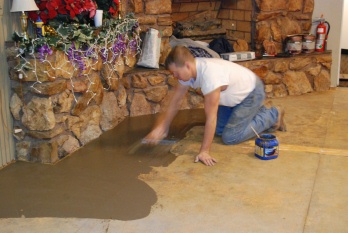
[{"x": 188, "y": 65}]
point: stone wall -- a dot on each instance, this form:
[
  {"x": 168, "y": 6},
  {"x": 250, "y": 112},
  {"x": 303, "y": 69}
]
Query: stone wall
[
  {"x": 53, "y": 118},
  {"x": 253, "y": 20},
  {"x": 295, "y": 75}
]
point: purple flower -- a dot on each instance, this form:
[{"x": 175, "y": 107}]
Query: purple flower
[
  {"x": 104, "y": 54},
  {"x": 119, "y": 47},
  {"x": 133, "y": 45},
  {"x": 75, "y": 57},
  {"x": 43, "y": 51}
]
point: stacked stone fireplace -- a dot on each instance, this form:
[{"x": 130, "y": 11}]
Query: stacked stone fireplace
[{"x": 61, "y": 118}]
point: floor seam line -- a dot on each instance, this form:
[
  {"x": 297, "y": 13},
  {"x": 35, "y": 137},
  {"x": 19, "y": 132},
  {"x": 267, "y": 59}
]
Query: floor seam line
[{"x": 311, "y": 197}]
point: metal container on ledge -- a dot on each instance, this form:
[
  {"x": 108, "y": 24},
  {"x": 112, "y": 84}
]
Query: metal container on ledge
[
  {"x": 308, "y": 43},
  {"x": 294, "y": 44}
]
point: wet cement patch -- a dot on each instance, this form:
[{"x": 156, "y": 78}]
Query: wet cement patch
[{"x": 100, "y": 180}]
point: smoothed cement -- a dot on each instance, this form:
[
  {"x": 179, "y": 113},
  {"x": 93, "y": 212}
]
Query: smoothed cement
[{"x": 98, "y": 181}]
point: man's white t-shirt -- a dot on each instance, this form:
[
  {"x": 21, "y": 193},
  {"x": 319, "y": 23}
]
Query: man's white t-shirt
[{"x": 213, "y": 73}]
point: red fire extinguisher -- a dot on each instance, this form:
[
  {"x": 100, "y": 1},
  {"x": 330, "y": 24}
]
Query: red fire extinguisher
[{"x": 322, "y": 34}]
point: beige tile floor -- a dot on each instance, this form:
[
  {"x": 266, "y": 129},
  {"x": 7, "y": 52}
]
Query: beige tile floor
[{"x": 304, "y": 190}]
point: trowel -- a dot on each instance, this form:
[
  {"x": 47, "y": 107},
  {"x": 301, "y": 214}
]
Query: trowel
[{"x": 145, "y": 142}]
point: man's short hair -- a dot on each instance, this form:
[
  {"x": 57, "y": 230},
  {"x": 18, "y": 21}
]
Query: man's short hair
[{"x": 178, "y": 56}]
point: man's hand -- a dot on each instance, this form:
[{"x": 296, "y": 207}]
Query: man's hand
[
  {"x": 156, "y": 135},
  {"x": 205, "y": 158}
]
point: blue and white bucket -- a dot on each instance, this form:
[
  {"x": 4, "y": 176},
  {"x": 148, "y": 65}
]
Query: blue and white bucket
[{"x": 266, "y": 147}]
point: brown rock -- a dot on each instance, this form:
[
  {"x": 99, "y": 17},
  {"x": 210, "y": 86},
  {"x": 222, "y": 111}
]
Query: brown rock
[
  {"x": 308, "y": 6},
  {"x": 158, "y": 7},
  {"x": 240, "y": 45},
  {"x": 164, "y": 21},
  {"x": 82, "y": 103},
  {"x": 77, "y": 86},
  {"x": 327, "y": 65},
  {"x": 72, "y": 120},
  {"x": 96, "y": 64},
  {"x": 165, "y": 50},
  {"x": 63, "y": 102},
  {"x": 268, "y": 88},
  {"x": 63, "y": 67},
  {"x": 295, "y": 5},
  {"x": 121, "y": 95},
  {"x": 45, "y": 152},
  {"x": 149, "y": 20},
  {"x": 48, "y": 134},
  {"x": 289, "y": 26},
  {"x": 67, "y": 144},
  {"x": 70, "y": 145},
  {"x": 327, "y": 58},
  {"x": 90, "y": 115},
  {"x": 139, "y": 106},
  {"x": 16, "y": 106},
  {"x": 136, "y": 6},
  {"x": 49, "y": 88},
  {"x": 272, "y": 78},
  {"x": 138, "y": 81},
  {"x": 322, "y": 82},
  {"x": 172, "y": 81},
  {"x": 126, "y": 81},
  {"x": 281, "y": 66},
  {"x": 261, "y": 71},
  {"x": 23, "y": 150},
  {"x": 90, "y": 120},
  {"x": 156, "y": 94},
  {"x": 119, "y": 66},
  {"x": 112, "y": 84},
  {"x": 314, "y": 71},
  {"x": 166, "y": 32},
  {"x": 268, "y": 15},
  {"x": 277, "y": 34},
  {"x": 43, "y": 71},
  {"x": 95, "y": 91},
  {"x": 300, "y": 63},
  {"x": 130, "y": 59},
  {"x": 110, "y": 112},
  {"x": 61, "y": 117},
  {"x": 297, "y": 83},
  {"x": 279, "y": 90},
  {"x": 272, "y": 5},
  {"x": 156, "y": 79},
  {"x": 196, "y": 101},
  {"x": 107, "y": 72},
  {"x": 38, "y": 114},
  {"x": 264, "y": 31}
]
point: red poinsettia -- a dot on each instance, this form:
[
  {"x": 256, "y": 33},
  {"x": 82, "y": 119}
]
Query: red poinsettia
[
  {"x": 73, "y": 10},
  {"x": 114, "y": 7},
  {"x": 50, "y": 9},
  {"x": 88, "y": 6}
]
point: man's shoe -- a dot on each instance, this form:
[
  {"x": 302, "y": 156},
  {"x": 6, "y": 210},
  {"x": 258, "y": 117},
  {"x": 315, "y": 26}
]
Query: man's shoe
[{"x": 280, "y": 125}]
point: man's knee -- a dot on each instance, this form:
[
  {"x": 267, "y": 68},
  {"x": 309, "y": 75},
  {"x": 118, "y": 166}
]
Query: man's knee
[{"x": 230, "y": 140}]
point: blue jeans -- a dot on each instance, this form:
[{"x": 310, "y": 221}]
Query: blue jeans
[{"x": 234, "y": 123}]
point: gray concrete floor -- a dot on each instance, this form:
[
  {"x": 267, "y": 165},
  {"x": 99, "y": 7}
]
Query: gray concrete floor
[{"x": 303, "y": 190}]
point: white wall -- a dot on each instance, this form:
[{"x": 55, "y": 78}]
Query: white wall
[
  {"x": 333, "y": 13},
  {"x": 344, "y": 38},
  {"x": 8, "y": 23}
]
